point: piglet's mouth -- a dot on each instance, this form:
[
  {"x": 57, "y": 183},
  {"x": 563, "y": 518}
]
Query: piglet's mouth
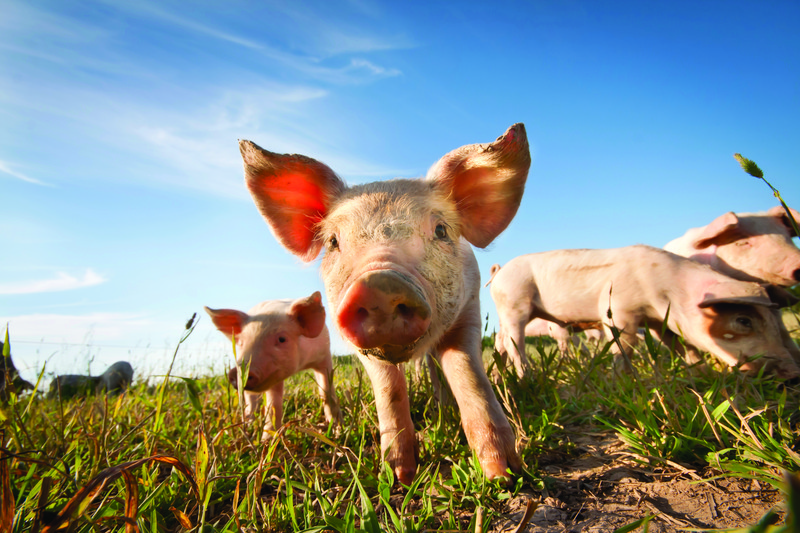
[{"x": 391, "y": 353}]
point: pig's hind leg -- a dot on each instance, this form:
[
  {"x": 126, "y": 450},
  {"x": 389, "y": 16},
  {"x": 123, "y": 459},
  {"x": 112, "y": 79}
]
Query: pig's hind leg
[
  {"x": 623, "y": 334},
  {"x": 511, "y": 337},
  {"x": 323, "y": 375}
]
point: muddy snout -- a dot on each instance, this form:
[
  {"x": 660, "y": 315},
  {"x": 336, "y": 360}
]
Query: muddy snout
[{"x": 384, "y": 313}]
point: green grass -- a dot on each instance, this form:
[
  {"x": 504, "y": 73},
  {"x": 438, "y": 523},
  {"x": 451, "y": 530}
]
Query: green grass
[{"x": 176, "y": 457}]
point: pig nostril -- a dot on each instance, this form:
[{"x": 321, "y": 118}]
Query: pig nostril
[
  {"x": 405, "y": 311},
  {"x": 797, "y": 275}
]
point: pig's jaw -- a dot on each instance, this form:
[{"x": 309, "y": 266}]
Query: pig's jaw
[{"x": 392, "y": 353}]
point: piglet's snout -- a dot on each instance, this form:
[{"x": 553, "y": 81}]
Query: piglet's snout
[
  {"x": 233, "y": 378},
  {"x": 383, "y": 308}
]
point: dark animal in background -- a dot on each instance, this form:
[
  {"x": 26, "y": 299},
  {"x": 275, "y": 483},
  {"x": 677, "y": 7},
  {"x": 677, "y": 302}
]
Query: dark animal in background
[
  {"x": 11, "y": 381},
  {"x": 113, "y": 381}
]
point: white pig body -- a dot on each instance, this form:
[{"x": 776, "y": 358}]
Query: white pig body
[
  {"x": 400, "y": 275},
  {"x": 277, "y": 339},
  {"x": 745, "y": 246},
  {"x": 640, "y": 285}
]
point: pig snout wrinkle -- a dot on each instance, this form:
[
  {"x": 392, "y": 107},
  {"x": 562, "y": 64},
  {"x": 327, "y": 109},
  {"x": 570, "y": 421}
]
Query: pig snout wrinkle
[{"x": 384, "y": 309}]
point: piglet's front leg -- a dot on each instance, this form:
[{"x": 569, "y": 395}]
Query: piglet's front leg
[
  {"x": 273, "y": 409},
  {"x": 398, "y": 439},
  {"x": 482, "y": 418}
]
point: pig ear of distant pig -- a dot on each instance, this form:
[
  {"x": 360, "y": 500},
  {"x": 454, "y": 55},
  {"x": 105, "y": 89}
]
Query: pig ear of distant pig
[
  {"x": 723, "y": 229},
  {"x": 736, "y": 292},
  {"x": 486, "y": 181},
  {"x": 228, "y": 321},
  {"x": 780, "y": 213},
  {"x": 310, "y": 314},
  {"x": 780, "y": 296},
  {"x": 293, "y": 193}
]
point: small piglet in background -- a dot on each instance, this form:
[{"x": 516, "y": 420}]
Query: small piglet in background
[
  {"x": 400, "y": 275},
  {"x": 279, "y": 338},
  {"x": 641, "y": 285},
  {"x": 114, "y": 380}
]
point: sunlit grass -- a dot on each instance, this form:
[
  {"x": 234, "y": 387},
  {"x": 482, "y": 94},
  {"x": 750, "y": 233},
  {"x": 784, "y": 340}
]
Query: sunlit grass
[{"x": 175, "y": 456}]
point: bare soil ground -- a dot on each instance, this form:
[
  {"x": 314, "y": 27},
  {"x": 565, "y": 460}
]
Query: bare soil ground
[{"x": 599, "y": 488}]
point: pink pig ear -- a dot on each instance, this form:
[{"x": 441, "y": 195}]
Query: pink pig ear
[
  {"x": 780, "y": 213},
  {"x": 293, "y": 193},
  {"x": 486, "y": 181},
  {"x": 780, "y": 296},
  {"x": 736, "y": 292},
  {"x": 724, "y": 229},
  {"x": 310, "y": 314},
  {"x": 228, "y": 321}
]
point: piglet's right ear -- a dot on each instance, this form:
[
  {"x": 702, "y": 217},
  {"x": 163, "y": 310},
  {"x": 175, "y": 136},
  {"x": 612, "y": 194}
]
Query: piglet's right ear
[
  {"x": 228, "y": 321},
  {"x": 293, "y": 194},
  {"x": 310, "y": 314},
  {"x": 486, "y": 181},
  {"x": 724, "y": 229}
]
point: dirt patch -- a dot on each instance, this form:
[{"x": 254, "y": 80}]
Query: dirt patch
[{"x": 599, "y": 488}]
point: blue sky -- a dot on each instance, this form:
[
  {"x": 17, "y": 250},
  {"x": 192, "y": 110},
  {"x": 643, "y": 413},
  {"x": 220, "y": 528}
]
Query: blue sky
[{"x": 122, "y": 204}]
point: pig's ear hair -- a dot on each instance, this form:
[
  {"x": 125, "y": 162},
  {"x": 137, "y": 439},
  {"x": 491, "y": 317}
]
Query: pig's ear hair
[
  {"x": 736, "y": 292},
  {"x": 780, "y": 213},
  {"x": 486, "y": 181},
  {"x": 293, "y": 194},
  {"x": 310, "y": 314},
  {"x": 228, "y": 321},
  {"x": 780, "y": 296},
  {"x": 724, "y": 229}
]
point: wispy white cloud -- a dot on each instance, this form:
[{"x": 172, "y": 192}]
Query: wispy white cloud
[
  {"x": 103, "y": 327},
  {"x": 6, "y": 169},
  {"x": 313, "y": 38},
  {"x": 62, "y": 282}
]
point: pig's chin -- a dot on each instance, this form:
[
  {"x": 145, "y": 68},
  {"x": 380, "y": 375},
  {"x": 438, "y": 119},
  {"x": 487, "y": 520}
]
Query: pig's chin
[
  {"x": 261, "y": 386},
  {"x": 391, "y": 353}
]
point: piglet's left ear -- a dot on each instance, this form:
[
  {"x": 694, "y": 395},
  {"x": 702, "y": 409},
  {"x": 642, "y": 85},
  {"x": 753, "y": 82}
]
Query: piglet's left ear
[
  {"x": 736, "y": 292},
  {"x": 780, "y": 213},
  {"x": 310, "y": 314},
  {"x": 780, "y": 296},
  {"x": 486, "y": 181}
]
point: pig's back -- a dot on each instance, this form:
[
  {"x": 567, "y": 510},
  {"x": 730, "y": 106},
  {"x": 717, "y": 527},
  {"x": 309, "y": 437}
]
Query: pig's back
[{"x": 576, "y": 284}]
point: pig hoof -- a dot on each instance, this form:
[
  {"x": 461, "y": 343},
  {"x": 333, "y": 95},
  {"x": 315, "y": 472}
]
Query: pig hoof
[
  {"x": 497, "y": 471},
  {"x": 405, "y": 474}
]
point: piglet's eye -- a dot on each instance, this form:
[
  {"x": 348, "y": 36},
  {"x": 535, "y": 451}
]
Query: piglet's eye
[
  {"x": 440, "y": 231},
  {"x": 281, "y": 339},
  {"x": 333, "y": 243},
  {"x": 744, "y": 322}
]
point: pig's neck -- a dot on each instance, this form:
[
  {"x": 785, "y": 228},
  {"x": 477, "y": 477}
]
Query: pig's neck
[
  {"x": 707, "y": 256},
  {"x": 313, "y": 350}
]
